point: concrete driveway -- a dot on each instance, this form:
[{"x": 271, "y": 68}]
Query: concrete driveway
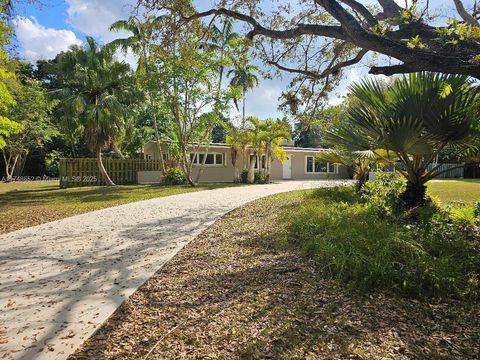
[{"x": 61, "y": 280}]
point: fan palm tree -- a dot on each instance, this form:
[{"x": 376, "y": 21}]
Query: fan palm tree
[
  {"x": 360, "y": 162},
  {"x": 96, "y": 92},
  {"x": 415, "y": 118},
  {"x": 141, "y": 44},
  {"x": 243, "y": 76}
]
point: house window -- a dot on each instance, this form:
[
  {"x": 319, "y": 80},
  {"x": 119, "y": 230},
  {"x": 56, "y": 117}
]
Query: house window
[
  {"x": 212, "y": 159},
  {"x": 165, "y": 156},
  {"x": 148, "y": 157},
  {"x": 317, "y": 166},
  {"x": 257, "y": 158}
]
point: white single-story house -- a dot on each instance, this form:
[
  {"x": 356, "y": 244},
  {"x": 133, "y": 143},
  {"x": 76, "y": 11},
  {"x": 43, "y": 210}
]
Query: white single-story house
[{"x": 300, "y": 164}]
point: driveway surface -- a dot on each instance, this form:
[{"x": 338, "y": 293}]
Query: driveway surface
[{"x": 61, "y": 280}]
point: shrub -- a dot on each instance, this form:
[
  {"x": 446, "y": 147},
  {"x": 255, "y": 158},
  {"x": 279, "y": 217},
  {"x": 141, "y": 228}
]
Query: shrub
[
  {"x": 382, "y": 194},
  {"x": 174, "y": 176},
  {"x": 435, "y": 257},
  {"x": 244, "y": 176},
  {"x": 52, "y": 163},
  {"x": 476, "y": 210},
  {"x": 259, "y": 178}
]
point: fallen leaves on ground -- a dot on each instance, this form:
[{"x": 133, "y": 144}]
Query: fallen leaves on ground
[{"x": 232, "y": 293}]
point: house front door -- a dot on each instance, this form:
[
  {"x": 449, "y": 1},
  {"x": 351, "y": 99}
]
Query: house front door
[{"x": 287, "y": 167}]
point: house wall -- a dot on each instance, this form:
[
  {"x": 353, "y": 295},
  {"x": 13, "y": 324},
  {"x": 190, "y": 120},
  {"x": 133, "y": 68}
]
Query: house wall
[
  {"x": 299, "y": 168},
  {"x": 225, "y": 172}
]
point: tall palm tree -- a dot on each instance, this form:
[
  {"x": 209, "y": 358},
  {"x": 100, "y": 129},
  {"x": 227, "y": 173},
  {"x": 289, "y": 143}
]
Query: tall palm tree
[
  {"x": 243, "y": 76},
  {"x": 222, "y": 40},
  {"x": 415, "y": 118},
  {"x": 140, "y": 42},
  {"x": 96, "y": 92}
]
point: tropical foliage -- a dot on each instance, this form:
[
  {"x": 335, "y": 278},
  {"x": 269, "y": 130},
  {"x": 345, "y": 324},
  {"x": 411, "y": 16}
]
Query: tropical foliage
[
  {"x": 95, "y": 94},
  {"x": 415, "y": 118},
  {"x": 243, "y": 76},
  {"x": 141, "y": 43},
  {"x": 260, "y": 140},
  {"x": 7, "y": 126},
  {"x": 32, "y": 110}
]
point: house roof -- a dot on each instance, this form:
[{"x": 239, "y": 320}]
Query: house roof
[{"x": 289, "y": 148}]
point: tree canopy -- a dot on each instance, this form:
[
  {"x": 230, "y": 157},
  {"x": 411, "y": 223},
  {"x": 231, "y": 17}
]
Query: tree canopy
[{"x": 315, "y": 40}]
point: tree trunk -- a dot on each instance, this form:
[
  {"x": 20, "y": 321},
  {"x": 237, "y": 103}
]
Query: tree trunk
[
  {"x": 251, "y": 168},
  {"x": 9, "y": 166},
  {"x": 236, "y": 172},
  {"x": 243, "y": 110},
  {"x": 101, "y": 168},
  {"x": 159, "y": 144},
  {"x": 202, "y": 165},
  {"x": 415, "y": 194},
  {"x": 186, "y": 166},
  {"x": 361, "y": 180}
]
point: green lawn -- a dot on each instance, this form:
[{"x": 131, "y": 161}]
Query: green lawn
[
  {"x": 451, "y": 191},
  {"x": 24, "y": 204}
]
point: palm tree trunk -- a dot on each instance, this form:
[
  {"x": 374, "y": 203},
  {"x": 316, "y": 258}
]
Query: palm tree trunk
[
  {"x": 243, "y": 109},
  {"x": 361, "y": 180},
  {"x": 268, "y": 163},
  {"x": 101, "y": 168},
  {"x": 251, "y": 168},
  {"x": 415, "y": 194},
  {"x": 236, "y": 172}
]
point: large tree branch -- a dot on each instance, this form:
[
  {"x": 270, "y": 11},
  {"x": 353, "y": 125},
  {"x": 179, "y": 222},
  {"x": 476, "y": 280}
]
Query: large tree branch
[
  {"x": 465, "y": 15},
  {"x": 362, "y": 10},
  {"x": 390, "y": 8},
  {"x": 258, "y": 29},
  {"x": 437, "y": 56},
  {"x": 317, "y": 75},
  {"x": 391, "y": 70}
]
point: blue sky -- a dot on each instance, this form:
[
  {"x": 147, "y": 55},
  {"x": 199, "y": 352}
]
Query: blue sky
[{"x": 43, "y": 31}]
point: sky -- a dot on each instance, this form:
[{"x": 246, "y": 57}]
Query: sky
[{"x": 44, "y": 31}]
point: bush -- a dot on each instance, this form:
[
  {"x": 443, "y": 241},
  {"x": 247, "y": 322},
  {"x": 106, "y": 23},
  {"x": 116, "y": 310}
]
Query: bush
[
  {"x": 350, "y": 241},
  {"x": 52, "y": 163},
  {"x": 476, "y": 210},
  {"x": 174, "y": 176},
  {"x": 259, "y": 178},
  {"x": 382, "y": 194},
  {"x": 244, "y": 176}
]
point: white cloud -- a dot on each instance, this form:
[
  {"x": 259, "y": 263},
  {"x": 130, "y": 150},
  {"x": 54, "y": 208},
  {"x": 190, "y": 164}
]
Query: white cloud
[
  {"x": 94, "y": 17},
  {"x": 41, "y": 43}
]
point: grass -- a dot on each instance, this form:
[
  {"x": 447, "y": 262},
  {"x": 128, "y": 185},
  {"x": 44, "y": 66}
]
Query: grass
[
  {"x": 452, "y": 191},
  {"x": 354, "y": 241},
  {"x": 24, "y": 204},
  {"x": 237, "y": 292}
]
